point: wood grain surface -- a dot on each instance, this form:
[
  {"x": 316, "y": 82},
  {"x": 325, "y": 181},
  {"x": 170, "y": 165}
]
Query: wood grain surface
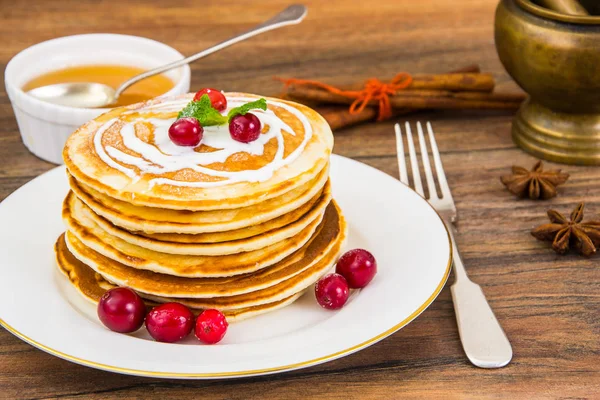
[{"x": 548, "y": 304}]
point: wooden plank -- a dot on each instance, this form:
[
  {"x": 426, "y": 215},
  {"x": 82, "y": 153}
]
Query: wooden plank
[{"x": 548, "y": 304}]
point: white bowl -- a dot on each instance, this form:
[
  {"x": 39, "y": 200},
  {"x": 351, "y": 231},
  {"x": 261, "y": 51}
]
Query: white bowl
[{"x": 44, "y": 126}]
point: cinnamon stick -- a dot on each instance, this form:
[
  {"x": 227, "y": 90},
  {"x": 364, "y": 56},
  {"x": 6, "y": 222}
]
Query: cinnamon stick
[
  {"x": 338, "y": 116},
  {"x": 406, "y": 101},
  {"x": 508, "y": 97},
  {"x": 448, "y": 103},
  {"x": 460, "y": 82},
  {"x": 473, "y": 68},
  {"x": 457, "y": 81}
]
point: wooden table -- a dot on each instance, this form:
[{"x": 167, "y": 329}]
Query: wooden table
[{"x": 549, "y": 305}]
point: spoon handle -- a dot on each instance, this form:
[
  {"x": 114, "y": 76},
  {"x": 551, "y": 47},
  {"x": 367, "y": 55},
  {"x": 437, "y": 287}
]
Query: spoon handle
[{"x": 290, "y": 16}]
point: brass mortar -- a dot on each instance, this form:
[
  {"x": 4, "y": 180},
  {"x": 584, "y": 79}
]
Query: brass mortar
[{"x": 555, "y": 58}]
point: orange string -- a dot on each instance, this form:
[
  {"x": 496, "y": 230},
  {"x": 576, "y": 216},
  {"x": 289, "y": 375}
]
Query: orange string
[{"x": 374, "y": 89}]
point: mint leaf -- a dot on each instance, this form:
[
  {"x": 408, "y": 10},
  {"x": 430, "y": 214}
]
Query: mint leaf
[
  {"x": 243, "y": 109},
  {"x": 207, "y": 115},
  {"x": 203, "y": 111}
]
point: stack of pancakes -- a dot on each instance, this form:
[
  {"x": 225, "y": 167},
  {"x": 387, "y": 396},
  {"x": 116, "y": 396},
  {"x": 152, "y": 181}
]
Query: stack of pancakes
[{"x": 243, "y": 228}]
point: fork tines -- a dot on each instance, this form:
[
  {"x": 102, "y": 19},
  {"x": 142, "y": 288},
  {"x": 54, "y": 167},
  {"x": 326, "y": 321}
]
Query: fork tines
[{"x": 414, "y": 162}]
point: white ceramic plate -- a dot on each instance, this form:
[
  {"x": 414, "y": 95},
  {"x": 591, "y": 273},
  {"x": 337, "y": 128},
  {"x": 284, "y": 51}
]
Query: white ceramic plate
[{"x": 404, "y": 233}]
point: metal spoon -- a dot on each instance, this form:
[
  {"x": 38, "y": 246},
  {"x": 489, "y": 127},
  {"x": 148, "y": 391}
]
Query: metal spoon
[{"x": 93, "y": 95}]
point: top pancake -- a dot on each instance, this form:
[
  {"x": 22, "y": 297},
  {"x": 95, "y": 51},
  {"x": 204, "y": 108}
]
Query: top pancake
[{"x": 127, "y": 155}]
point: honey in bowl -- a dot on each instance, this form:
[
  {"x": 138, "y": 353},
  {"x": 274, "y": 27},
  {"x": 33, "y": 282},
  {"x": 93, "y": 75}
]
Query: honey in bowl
[{"x": 111, "y": 75}]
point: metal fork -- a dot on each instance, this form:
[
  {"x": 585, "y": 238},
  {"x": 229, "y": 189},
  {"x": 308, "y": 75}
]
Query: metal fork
[{"x": 482, "y": 337}]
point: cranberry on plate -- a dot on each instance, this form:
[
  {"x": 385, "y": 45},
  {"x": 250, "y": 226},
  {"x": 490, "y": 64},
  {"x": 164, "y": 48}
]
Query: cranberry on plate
[
  {"x": 169, "y": 322},
  {"x": 121, "y": 310},
  {"x": 211, "y": 326},
  {"x": 245, "y": 128},
  {"x": 186, "y": 131},
  {"x": 358, "y": 266},
  {"x": 217, "y": 98},
  {"x": 332, "y": 291}
]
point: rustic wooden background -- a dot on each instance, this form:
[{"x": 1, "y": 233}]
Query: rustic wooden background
[{"x": 549, "y": 305}]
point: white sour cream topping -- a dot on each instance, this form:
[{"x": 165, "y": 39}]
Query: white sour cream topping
[{"x": 165, "y": 156}]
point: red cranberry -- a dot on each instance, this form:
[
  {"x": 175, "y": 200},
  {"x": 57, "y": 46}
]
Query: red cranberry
[
  {"x": 245, "y": 128},
  {"x": 121, "y": 310},
  {"x": 211, "y": 326},
  {"x": 169, "y": 322},
  {"x": 358, "y": 266},
  {"x": 186, "y": 132},
  {"x": 332, "y": 291},
  {"x": 217, "y": 98}
]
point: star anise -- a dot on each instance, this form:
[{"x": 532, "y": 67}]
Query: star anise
[
  {"x": 583, "y": 236},
  {"x": 535, "y": 184}
]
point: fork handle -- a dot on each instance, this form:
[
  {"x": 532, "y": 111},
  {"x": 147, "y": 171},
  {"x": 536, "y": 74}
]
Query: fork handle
[{"x": 482, "y": 337}]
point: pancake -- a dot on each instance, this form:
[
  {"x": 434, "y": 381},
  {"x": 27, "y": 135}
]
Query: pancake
[
  {"x": 127, "y": 155},
  {"x": 92, "y": 286},
  {"x": 79, "y": 211},
  {"x": 290, "y": 286},
  {"x": 250, "y": 312},
  {"x": 242, "y": 233},
  {"x": 302, "y": 266},
  {"x": 152, "y": 220},
  {"x": 93, "y": 236},
  {"x": 311, "y": 267}
]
